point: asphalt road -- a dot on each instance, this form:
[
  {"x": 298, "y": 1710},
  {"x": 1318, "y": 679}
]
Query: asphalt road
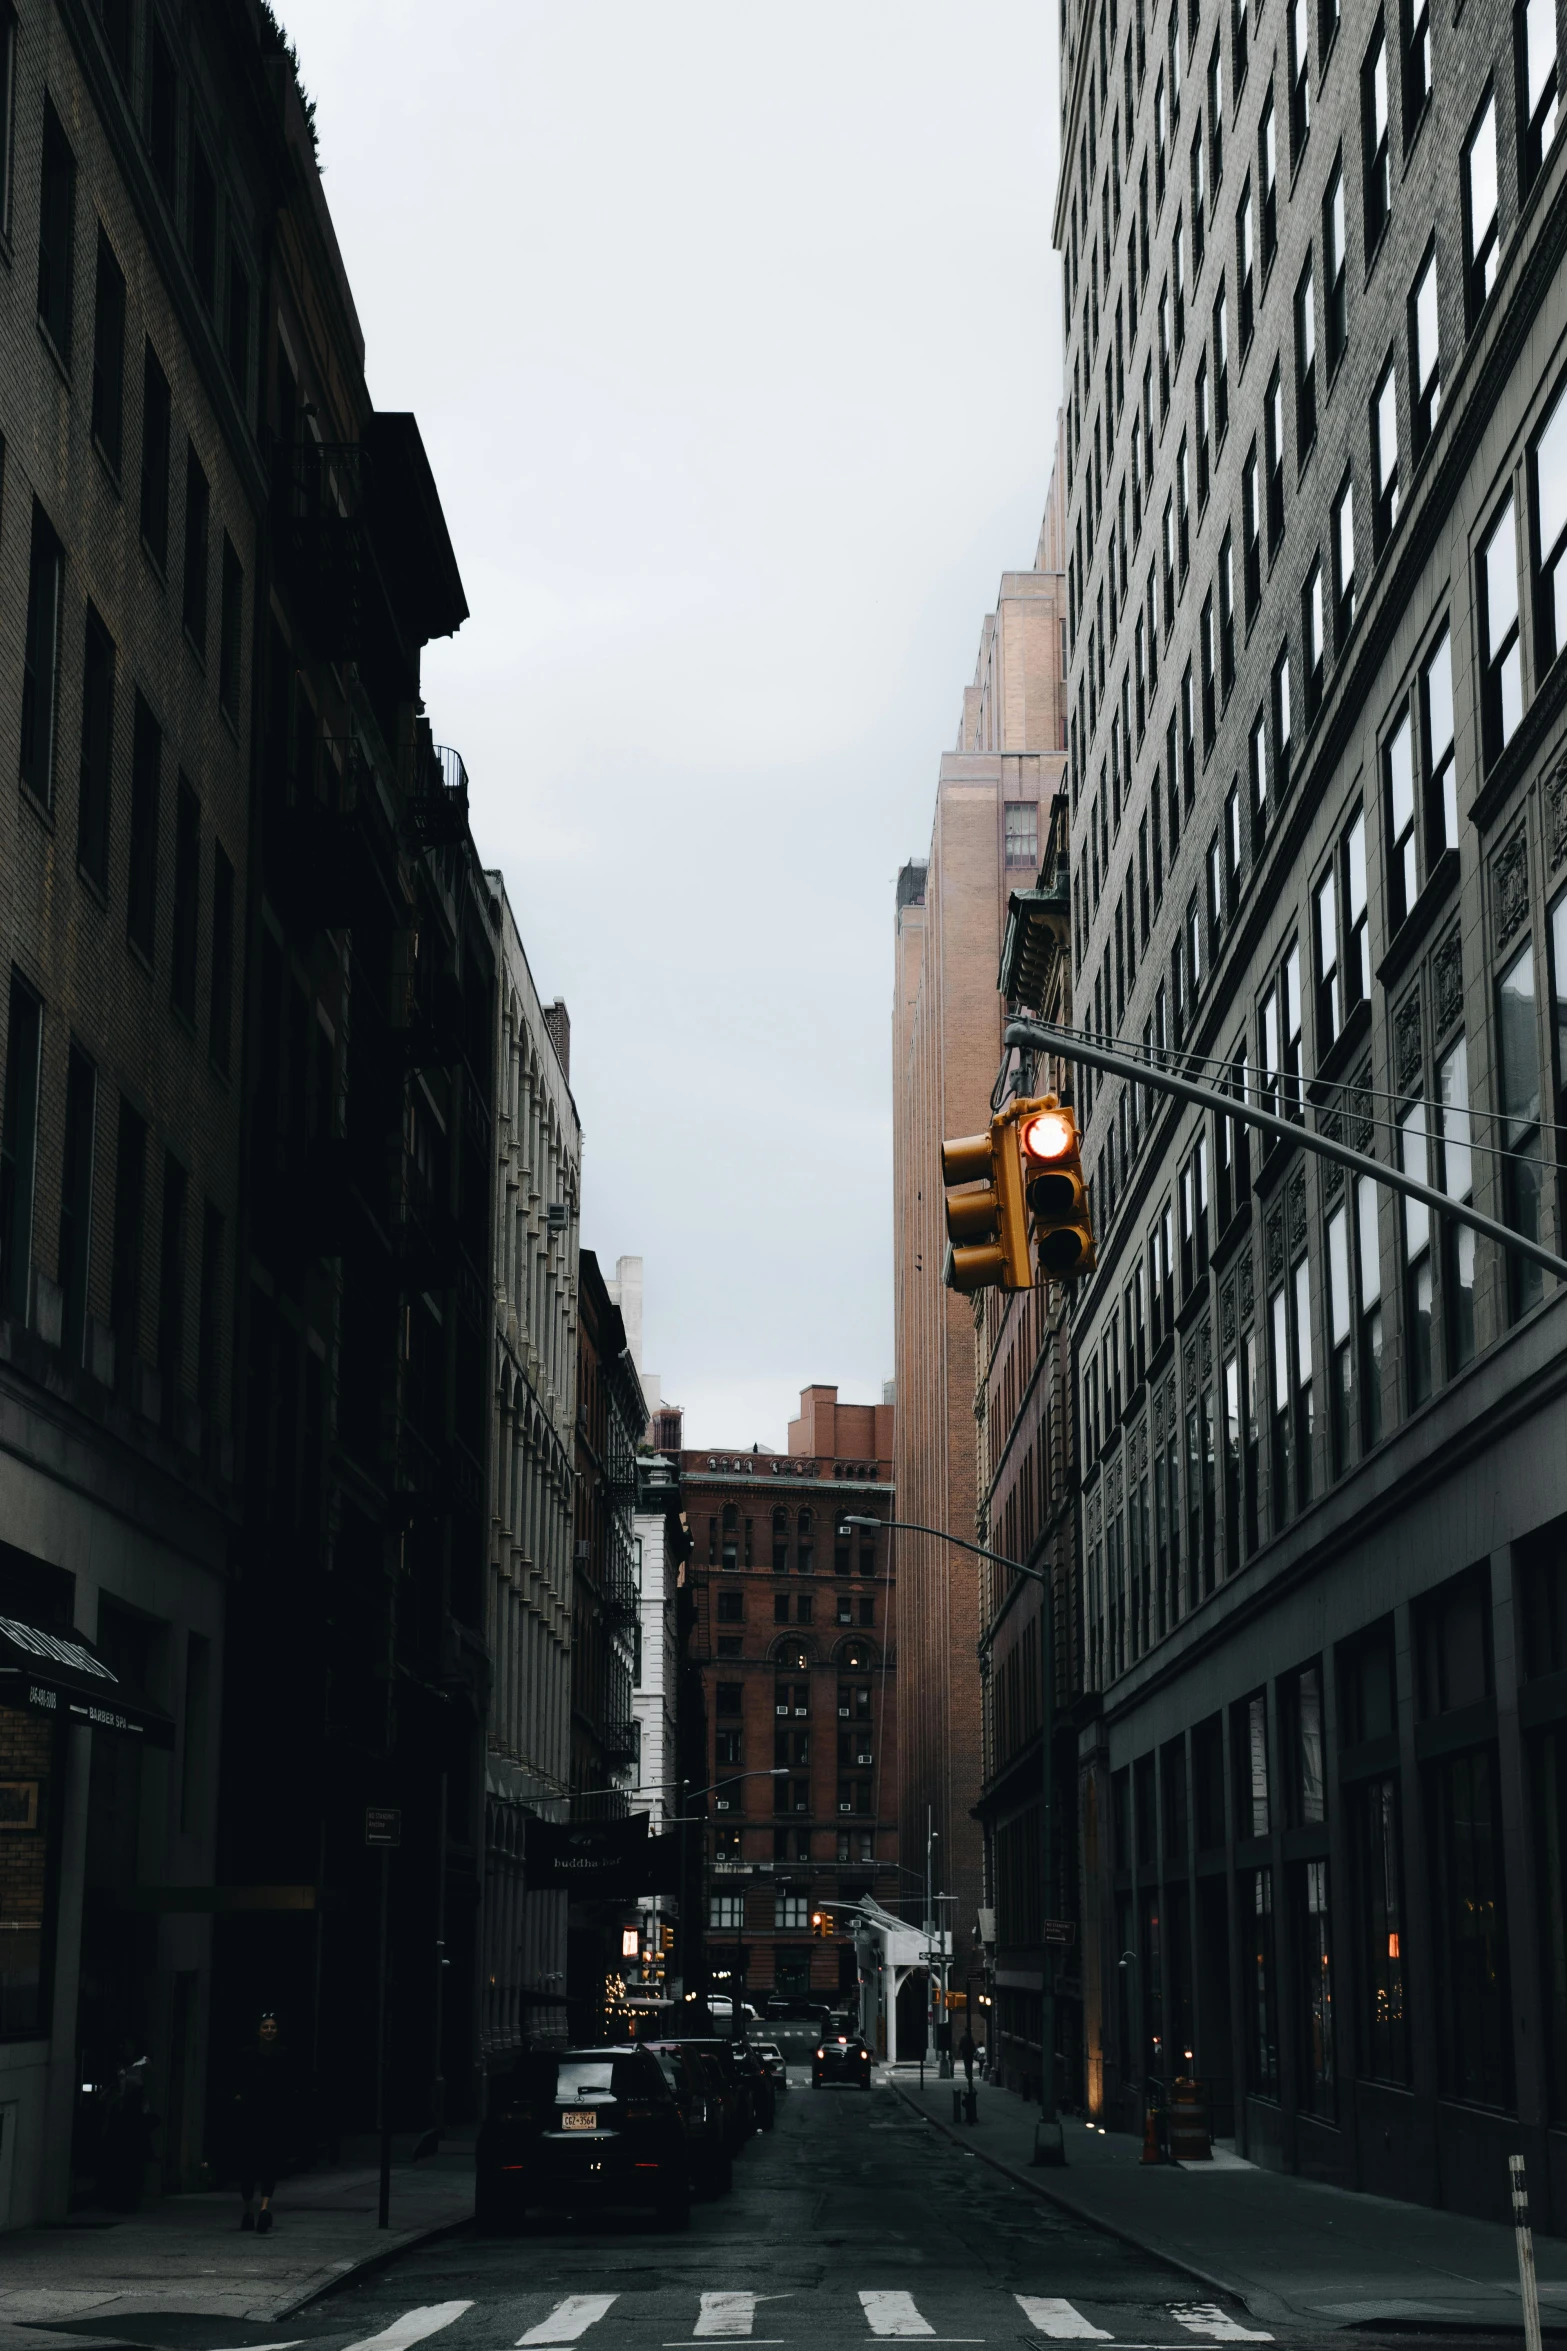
[{"x": 852, "y": 2223}]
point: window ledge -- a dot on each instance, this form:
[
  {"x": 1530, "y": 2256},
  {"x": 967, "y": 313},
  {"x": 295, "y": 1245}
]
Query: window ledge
[
  {"x": 1542, "y": 713},
  {"x": 40, "y": 808},
  {"x": 1421, "y": 919}
]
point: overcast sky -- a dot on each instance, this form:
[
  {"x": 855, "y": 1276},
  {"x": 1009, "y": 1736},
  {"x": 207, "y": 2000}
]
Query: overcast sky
[{"x": 733, "y": 332}]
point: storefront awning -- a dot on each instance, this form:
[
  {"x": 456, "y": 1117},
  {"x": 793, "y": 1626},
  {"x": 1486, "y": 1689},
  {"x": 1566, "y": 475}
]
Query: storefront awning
[{"x": 63, "y": 1675}]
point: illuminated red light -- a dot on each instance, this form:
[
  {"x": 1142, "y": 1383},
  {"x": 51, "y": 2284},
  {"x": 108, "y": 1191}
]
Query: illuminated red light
[{"x": 1049, "y": 1135}]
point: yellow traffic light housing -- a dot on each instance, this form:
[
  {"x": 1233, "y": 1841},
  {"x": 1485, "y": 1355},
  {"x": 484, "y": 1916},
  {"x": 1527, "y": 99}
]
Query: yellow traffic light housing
[
  {"x": 1055, "y": 1190},
  {"x": 821, "y": 1924},
  {"x": 987, "y": 1216}
]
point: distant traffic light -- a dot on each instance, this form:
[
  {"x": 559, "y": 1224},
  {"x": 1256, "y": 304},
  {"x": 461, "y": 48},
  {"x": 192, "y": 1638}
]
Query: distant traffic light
[
  {"x": 821, "y": 1924},
  {"x": 1056, "y": 1193},
  {"x": 987, "y": 1218}
]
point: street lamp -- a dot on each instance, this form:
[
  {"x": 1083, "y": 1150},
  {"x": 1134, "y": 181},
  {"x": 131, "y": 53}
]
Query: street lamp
[{"x": 1049, "y": 2144}]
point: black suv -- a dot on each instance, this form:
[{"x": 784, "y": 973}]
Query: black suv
[
  {"x": 841, "y": 2057},
  {"x": 583, "y": 2127}
]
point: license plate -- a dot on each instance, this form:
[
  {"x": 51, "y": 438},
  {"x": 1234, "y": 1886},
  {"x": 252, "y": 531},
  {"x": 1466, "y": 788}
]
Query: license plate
[{"x": 579, "y": 2118}]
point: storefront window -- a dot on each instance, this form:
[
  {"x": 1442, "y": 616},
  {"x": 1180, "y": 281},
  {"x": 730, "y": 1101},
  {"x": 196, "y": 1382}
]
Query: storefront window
[
  {"x": 1262, "y": 2043},
  {"x": 1316, "y": 1989},
  {"x": 1469, "y": 1916},
  {"x": 26, "y": 1756},
  {"x": 1380, "y": 1855}
]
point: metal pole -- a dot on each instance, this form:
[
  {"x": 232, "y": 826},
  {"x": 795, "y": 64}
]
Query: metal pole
[
  {"x": 1527, "y": 2285},
  {"x": 1067, "y": 1045},
  {"x": 438, "y": 2119},
  {"x": 383, "y": 2118},
  {"x": 1049, "y": 2145}
]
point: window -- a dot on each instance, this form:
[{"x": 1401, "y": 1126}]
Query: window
[
  {"x": 1305, "y": 360},
  {"x": 1251, "y": 535},
  {"x": 1279, "y": 1030},
  {"x": 1340, "y": 1338},
  {"x": 41, "y": 659},
  {"x": 1268, "y": 180},
  {"x": 1167, "y": 552},
  {"x": 1239, "y": 31},
  {"x": 1257, "y": 775},
  {"x": 146, "y": 777},
  {"x": 1379, "y": 1867},
  {"x": 1300, "y": 78},
  {"x": 1311, "y": 642},
  {"x": 155, "y": 413},
  {"x": 1335, "y": 269},
  {"x": 791, "y": 1910},
  {"x": 130, "y": 1185},
  {"x": 1522, "y": 1173},
  {"x": 1424, "y": 356},
  {"x": 1200, "y": 413},
  {"x": 76, "y": 1190},
  {"x": 1369, "y": 1365},
  {"x": 57, "y": 235},
  {"x": 230, "y": 624},
  {"x": 1482, "y": 236},
  {"x": 108, "y": 356},
  {"x": 1216, "y": 112},
  {"x": 1357, "y": 942},
  {"x": 726, "y": 1911},
  {"x": 1535, "y": 23},
  {"x": 1399, "y": 797},
  {"x": 237, "y": 340},
  {"x": 1330, "y": 1003},
  {"x": 198, "y": 501},
  {"x": 1273, "y": 442},
  {"x": 221, "y": 1018},
  {"x": 1414, "y": 1160},
  {"x": 1417, "y": 66},
  {"x": 19, "y": 1148},
  {"x": 731, "y": 1605},
  {"x": 1199, "y": 198},
  {"x": 1221, "y": 366},
  {"x": 1205, "y": 639},
  {"x": 1164, "y": 350},
  {"x": 92, "y": 822},
  {"x": 1384, "y": 458},
  {"x": 202, "y": 225},
  {"x": 1022, "y": 832},
  {"x": 1260, "y": 1989},
  {"x": 1226, "y": 615},
  {"x": 1441, "y": 769},
  {"x": 1548, "y": 471},
  {"x": 1458, "y": 1263},
  {"x": 1244, "y": 281},
  {"x": 1501, "y": 679},
  {"x": 162, "y": 109},
  {"x": 1283, "y": 737},
  {"x": 1373, "y": 139},
  {"x": 1343, "y": 567}
]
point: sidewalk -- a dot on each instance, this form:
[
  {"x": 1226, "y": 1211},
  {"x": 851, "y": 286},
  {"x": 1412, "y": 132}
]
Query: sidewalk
[
  {"x": 1293, "y": 2251},
  {"x": 188, "y": 2253}
]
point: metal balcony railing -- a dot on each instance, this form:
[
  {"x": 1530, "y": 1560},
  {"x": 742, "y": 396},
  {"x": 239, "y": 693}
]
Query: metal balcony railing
[{"x": 437, "y": 811}]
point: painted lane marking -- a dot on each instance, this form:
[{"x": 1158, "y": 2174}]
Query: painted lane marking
[
  {"x": 1054, "y": 2317},
  {"x": 1207, "y": 2319},
  {"x": 727, "y": 2314},
  {"x": 412, "y": 2327},
  {"x": 569, "y": 2320}
]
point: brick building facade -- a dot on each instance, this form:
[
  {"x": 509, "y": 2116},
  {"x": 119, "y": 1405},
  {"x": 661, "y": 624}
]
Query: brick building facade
[
  {"x": 993, "y": 802},
  {"x": 795, "y": 1638}
]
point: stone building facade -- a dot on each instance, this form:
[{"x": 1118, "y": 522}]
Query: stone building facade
[
  {"x": 795, "y": 1638},
  {"x": 1316, "y": 319},
  {"x": 533, "y": 1485},
  {"x": 993, "y": 800},
  {"x": 135, "y": 188}
]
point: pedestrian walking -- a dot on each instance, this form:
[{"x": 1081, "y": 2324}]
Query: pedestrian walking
[
  {"x": 266, "y": 2103},
  {"x": 968, "y": 2053}
]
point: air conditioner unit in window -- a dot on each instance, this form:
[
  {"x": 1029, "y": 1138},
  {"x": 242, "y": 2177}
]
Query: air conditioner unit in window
[
  {"x": 843, "y": 1713},
  {"x": 846, "y": 1808},
  {"x": 801, "y": 1711},
  {"x": 780, "y": 1710},
  {"x": 721, "y": 1804}
]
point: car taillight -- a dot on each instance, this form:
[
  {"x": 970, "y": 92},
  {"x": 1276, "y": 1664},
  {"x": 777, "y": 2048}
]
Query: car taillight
[
  {"x": 639, "y": 2114},
  {"x": 821, "y": 2052}
]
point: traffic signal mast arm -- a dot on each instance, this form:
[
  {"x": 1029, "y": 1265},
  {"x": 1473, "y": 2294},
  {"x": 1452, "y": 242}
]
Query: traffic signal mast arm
[{"x": 1067, "y": 1045}]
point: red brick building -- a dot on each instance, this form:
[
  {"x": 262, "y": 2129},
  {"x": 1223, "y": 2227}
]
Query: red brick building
[{"x": 795, "y": 1639}]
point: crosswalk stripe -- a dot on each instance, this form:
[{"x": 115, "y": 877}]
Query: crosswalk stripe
[
  {"x": 412, "y": 2327},
  {"x": 1052, "y": 2316},
  {"x": 568, "y": 2320},
  {"x": 727, "y": 2314},
  {"x": 1207, "y": 2319},
  {"x": 894, "y": 2314}
]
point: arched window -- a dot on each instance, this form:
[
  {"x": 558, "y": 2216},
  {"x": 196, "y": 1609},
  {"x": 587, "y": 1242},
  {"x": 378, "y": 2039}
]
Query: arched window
[
  {"x": 780, "y": 1541},
  {"x": 805, "y": 1554}
]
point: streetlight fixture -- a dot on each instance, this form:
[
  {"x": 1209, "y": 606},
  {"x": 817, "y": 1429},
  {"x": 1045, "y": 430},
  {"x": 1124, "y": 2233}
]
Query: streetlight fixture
[{"x": 1049, "y": 2142}]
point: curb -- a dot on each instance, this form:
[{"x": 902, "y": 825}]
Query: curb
[
  {"x": 1124, "y": 2236},
  {"x": 367, "y": 2264}
]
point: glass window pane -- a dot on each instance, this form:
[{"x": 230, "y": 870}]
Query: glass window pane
[
  {"x": 1370, "y": 1254},
  {"x": 1338, "y": 1275},
  {"x": 1425, "y": 325},
  {"x": 1412, "y": 1158},
  {"x": 1439, "y": 700},
  {"x": 1550, "y": 468},
  {"x": 1356, "y": 862},
  {"x": 1519, "y": 1050},
  {"x": 1457, "y": 1174},
  {"x": 1501, "y": 581},
  {"x": 1401, "y": 779},
  {"x": 1482, "y": 175},
  {"x": 1387, "y": 430},
  {"x": 1302, "y": 1324},
  {"x": 1559, "y": 984},
  {"x": 1281, "y": 1358}
]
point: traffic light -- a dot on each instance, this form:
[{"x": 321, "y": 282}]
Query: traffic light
[
  {"x": 987, "y": 1218},
  {"x": 821, "y": 1924},
  {"x": 1056, "y": 1193}
]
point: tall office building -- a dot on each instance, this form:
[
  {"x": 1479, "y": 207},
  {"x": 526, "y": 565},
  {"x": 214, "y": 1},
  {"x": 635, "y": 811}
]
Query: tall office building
[{"x": 1317, "y": 460}]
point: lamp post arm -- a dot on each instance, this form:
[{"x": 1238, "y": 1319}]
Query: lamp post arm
[{"x": 910, "y": 1526}]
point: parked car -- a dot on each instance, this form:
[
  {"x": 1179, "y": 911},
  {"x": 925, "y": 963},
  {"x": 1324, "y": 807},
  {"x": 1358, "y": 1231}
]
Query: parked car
[
  {"x": 586, "y": 2127},
  {"x": 699, "y": 2088},
  {"x": 841, "y": 2057},
  {"x": 737, "y": 2087},
  {"x": 773, "y": 2058}
]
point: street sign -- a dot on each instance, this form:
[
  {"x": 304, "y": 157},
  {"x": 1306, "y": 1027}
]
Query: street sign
[
  {"x": 1060, "y": 1930},
  {"x": 383, "y": 1824}
]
